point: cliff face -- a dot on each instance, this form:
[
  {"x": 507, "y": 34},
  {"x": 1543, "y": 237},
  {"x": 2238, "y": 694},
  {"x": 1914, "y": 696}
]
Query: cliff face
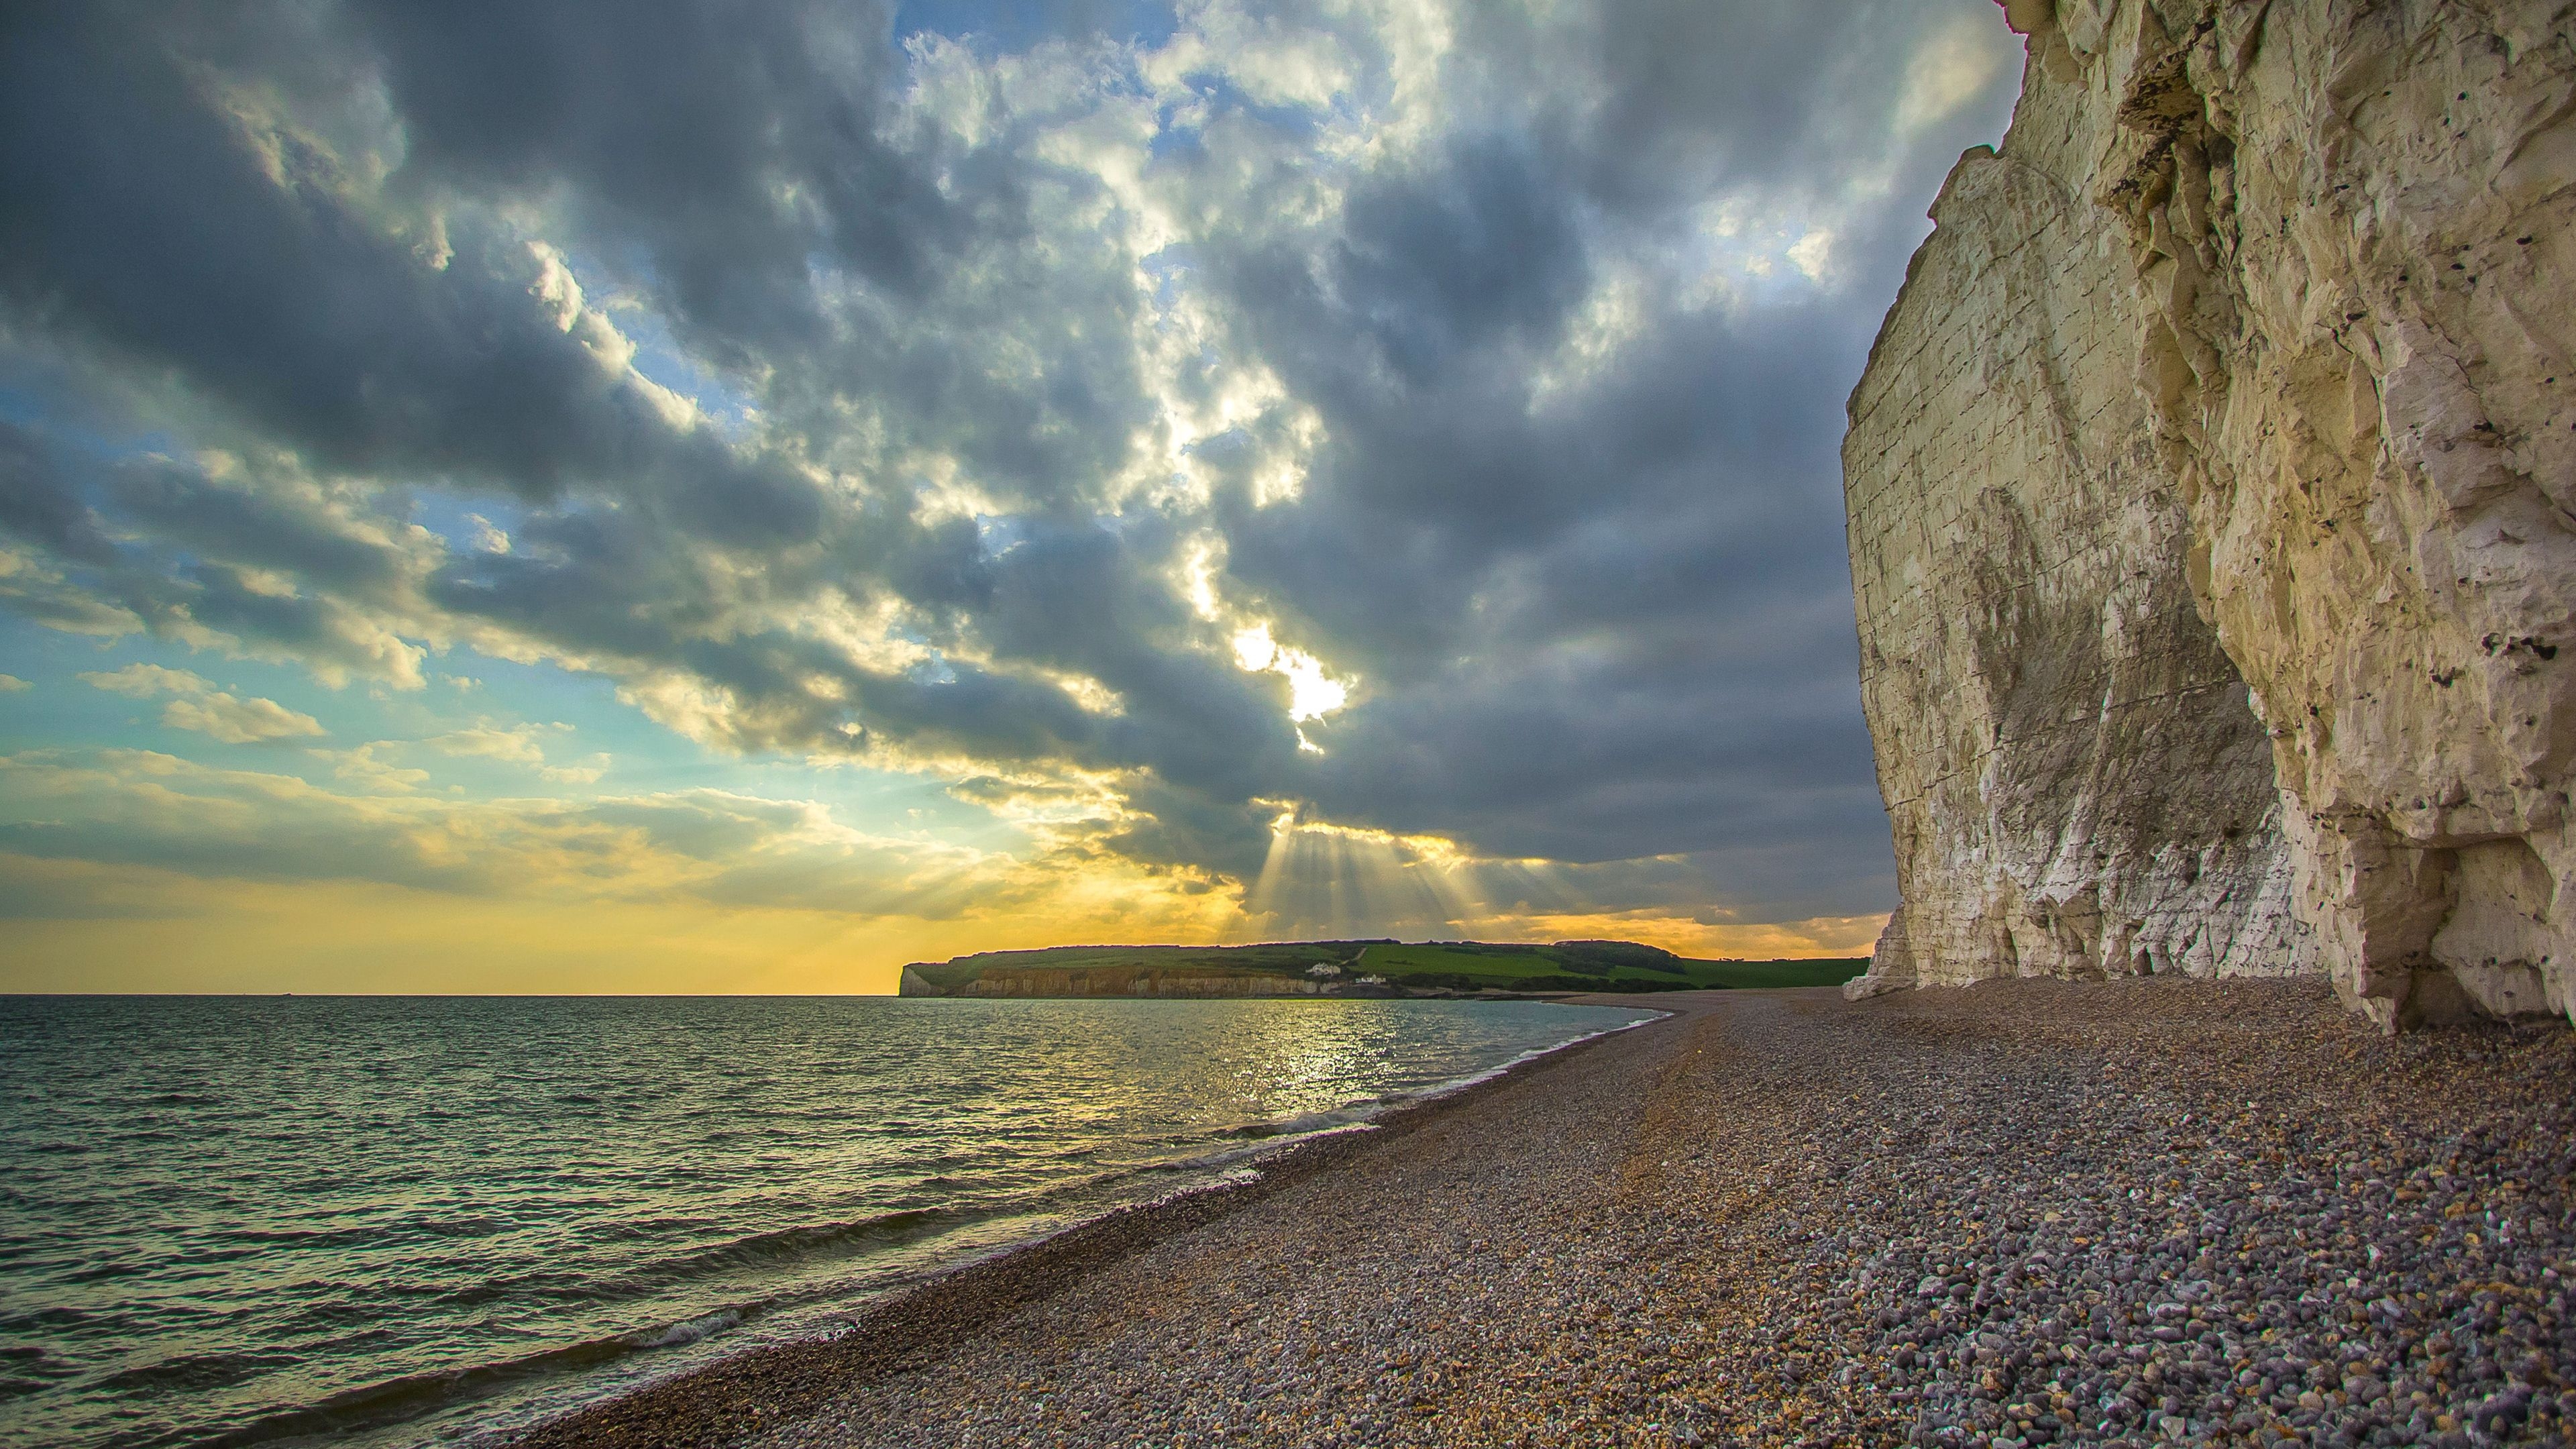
[{"x": 2212, "y": 494}]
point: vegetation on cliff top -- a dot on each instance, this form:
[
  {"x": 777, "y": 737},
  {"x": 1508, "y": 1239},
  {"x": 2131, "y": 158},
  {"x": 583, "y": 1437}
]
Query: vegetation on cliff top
[{"x": 1423, "y": 966}]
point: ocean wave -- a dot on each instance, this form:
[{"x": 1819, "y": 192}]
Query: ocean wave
[
  {"x": 815, "y": 1242},
  {"x": 1305, "y": 1122},
  {"x": 414, "y": 1395},
  {"x": 787, "y": 1247},
  {"x": 703, "y": 1326},
  {"x": 192, "y": 1371}
]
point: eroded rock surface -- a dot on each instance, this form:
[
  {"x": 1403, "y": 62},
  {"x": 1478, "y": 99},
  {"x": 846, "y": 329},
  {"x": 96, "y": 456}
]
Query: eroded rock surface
[{"x": 2212, "y": 495}]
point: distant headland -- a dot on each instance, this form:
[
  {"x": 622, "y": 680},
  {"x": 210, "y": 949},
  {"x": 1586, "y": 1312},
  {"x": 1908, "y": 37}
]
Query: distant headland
[{"x": 1364, "y": 968}]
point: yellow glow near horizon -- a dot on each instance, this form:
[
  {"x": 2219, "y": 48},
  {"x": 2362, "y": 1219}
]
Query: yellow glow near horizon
[
  {"x": 198, "y": 936},
  {"x": 709, "y": 892},
  {"x": 350, "y": 938}
]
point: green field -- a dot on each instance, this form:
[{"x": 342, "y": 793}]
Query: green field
[{"x": 1434, "y": 965}]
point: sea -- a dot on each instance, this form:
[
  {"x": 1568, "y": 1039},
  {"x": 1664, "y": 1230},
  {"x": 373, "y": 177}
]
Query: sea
[{"x": 403, "y": 1221}]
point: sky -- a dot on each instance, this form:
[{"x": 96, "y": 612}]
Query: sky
[{"x": 736, "y": 495}]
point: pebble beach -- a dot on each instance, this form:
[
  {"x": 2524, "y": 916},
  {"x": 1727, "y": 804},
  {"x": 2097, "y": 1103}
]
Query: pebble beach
[{"x": 2021, "y": 1213}]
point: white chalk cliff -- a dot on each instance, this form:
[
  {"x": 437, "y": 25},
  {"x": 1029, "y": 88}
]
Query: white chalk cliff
[{"x": 2212, "y": 501}]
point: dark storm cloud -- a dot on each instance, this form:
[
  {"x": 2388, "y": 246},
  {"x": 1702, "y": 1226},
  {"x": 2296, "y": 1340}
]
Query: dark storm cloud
[
  {"x": 677, "y": 122},
  {"x": 139, "y": 218},
  {"x": 1434, "y": 265},
  {"x": 1651, "y": 104},
  {"x": 37, "y": 505},
  {"x": 1684, "y": 608},
  {"x": 1500, "y": 416}
]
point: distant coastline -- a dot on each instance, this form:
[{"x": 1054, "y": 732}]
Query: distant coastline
[{"x": 1375, "y": 968}]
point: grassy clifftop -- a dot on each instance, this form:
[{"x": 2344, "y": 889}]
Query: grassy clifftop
[{"x": 1367, "y": 967}]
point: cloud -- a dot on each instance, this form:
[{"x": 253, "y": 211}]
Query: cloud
[
  {"x": 205, "y": 709},
  {"x": 934, "y": 404},
  {"x": 143, "y": 810},
  {"x": 143, "y": 681},
  {"x": 586, "y": 773},
  {"x": 239, "y": 721},
  {"x": 374, "y": 765},
  {"x": 363, "y": 766},
  {"x": 515, "y": 744}
]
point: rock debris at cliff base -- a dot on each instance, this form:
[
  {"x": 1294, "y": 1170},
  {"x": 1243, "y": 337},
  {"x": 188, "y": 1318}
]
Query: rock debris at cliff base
[{"x": 2023, "y": 1213}]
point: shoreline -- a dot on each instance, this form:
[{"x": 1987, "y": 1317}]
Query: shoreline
[
  {"x": 915, "y": 1322},
  {"x": 2031, "y": 1212}
]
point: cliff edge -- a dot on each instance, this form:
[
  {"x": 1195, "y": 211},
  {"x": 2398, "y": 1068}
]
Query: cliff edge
[{"x": 2212, "y": 507}]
